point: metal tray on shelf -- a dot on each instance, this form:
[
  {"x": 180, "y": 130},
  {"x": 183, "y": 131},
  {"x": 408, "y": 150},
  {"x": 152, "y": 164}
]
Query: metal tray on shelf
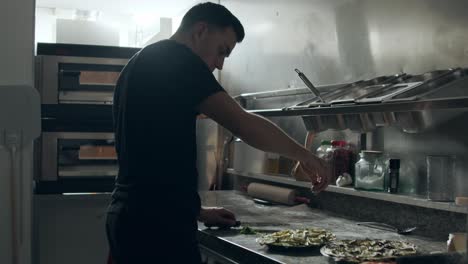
[
  {"x": 388, "y": 91},
  {"x": 364, "y": 105},
  {"x": 367, "y": 87},
  {"x": 357, "y": 92},
  {"x": 414, "y": 84},
  {"x": 324, "y": 90},
  {"x": 441, "y": 83},
  {"x": 347, "y": 91},
  {"x": 345, "y": 94},
  {"x": 444, "y": 86},
  {"x": 344, "y": 91}
]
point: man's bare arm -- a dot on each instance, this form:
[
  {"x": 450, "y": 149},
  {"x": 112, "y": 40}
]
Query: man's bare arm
[{"x": 255, "y": 130}]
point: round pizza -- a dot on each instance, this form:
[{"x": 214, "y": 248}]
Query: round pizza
[
  {"x": 360, "y": 250},
  {"x": 297, "y": 238}
]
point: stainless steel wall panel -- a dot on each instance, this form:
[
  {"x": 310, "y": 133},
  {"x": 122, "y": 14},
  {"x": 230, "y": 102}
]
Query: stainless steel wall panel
[{"x": 340, "y": 41}]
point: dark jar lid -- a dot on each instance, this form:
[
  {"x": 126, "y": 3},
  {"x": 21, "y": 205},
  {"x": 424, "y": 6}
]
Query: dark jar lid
[{"x": 394, "y": 163}]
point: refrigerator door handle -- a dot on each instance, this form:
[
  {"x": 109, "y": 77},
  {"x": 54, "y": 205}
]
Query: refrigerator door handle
[{"x": 13, "y": 143}]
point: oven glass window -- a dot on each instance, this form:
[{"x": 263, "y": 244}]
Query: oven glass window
[{"x": 86, "y": 158}]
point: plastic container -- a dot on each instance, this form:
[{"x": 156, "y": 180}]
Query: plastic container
[{"x": 371, "y": 171}]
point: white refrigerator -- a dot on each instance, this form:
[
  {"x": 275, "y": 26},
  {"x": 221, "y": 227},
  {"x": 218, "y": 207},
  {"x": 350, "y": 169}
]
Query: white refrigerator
[{"x": 19, "y": 126}]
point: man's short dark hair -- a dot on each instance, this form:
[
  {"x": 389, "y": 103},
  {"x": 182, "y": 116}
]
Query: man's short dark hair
[{"x": 213, "y": 14}]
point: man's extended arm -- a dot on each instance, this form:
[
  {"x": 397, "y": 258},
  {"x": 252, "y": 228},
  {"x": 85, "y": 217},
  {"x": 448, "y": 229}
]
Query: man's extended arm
[{"x": 263, "y": 134}]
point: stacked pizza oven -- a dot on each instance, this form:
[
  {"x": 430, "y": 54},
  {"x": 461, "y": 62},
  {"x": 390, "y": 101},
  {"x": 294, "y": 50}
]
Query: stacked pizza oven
[{"x": 76, "y": 83}]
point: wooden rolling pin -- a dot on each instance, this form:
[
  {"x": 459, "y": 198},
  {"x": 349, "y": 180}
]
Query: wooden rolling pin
[{"x": 275, "y": 194}]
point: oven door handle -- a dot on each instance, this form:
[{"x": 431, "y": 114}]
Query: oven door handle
[{"x": 70, "y": 73}]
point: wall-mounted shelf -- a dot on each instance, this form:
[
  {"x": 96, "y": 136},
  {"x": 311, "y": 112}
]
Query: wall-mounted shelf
[
  {"x": 404, "y": 100},
  {"x": 410, "y": 116},
  {"x": 394, "y": 198},
  {"x": 401, "y": 106}
]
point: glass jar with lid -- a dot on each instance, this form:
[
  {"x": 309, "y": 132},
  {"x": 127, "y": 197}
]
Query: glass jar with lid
[
  {"x": 370, "y": 171},
  {"x": 341, "y": 157}
]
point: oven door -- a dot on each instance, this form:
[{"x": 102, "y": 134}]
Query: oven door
[
  {"x": 77, "y": 80},
  {"x": 77, "y": 162}
]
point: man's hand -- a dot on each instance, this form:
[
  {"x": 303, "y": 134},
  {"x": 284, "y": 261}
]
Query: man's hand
[
  {"x": 315, "y": 169},
  {"x": 217, "y": 216},
  {"x": 319, "y": 172}
]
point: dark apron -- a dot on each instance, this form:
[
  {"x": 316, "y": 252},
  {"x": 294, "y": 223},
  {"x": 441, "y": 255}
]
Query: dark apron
[{"x": 138, "y": 233}]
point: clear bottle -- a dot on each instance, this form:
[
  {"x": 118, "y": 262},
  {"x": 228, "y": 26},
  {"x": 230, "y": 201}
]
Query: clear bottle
[
  {"x": 440, "y": 177},
  {"x": 371, "y": 171}
]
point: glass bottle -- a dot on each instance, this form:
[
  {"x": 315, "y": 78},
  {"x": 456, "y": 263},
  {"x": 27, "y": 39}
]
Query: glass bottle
[{"x": 370, "y": 171}]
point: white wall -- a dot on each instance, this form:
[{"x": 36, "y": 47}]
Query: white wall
[
  {"x": 45, "y": 29},
  {"x": 54, "y": 25},
  {"x": 59, "y": 25},
  {"x": 86, "y": 32},
  {"x": 17, "y": 44},
  {"x": 165, "y": 31}
]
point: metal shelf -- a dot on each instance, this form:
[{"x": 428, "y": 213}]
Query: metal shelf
[
  {"x": 401, "y": 106},
  {"x": 394, "y": 198}
]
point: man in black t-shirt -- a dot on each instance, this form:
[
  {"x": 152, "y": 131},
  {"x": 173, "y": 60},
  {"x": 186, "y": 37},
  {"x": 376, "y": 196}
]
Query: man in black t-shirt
[{"x": 155, "y": 206}]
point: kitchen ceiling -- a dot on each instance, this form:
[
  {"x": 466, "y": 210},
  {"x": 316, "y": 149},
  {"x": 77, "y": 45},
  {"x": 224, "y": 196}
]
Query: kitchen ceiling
[{"x": 161, "y": 8}]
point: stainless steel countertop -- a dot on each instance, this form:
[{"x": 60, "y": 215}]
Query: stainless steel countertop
[{"x": 247, "y": 250}]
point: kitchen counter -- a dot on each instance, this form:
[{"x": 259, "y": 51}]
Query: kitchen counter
[{"x": 245, "y": 249}]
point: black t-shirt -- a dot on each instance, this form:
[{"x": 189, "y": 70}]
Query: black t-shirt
[{"x": 155, "y": 125}]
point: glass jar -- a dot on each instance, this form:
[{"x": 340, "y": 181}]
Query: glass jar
[
  {"x": 323, "y": 151},
  {"x": 341, "y": 157},
  {"x": 440, "y": 177},
  {"x": 371, "y": 171}
]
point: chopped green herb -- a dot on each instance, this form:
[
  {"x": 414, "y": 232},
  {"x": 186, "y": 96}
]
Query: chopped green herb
[{"x": 246, "y": 230}]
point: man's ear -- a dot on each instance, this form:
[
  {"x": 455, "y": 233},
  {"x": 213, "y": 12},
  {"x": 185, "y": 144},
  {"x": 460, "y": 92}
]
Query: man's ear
[{"x": 200, "y": 29}]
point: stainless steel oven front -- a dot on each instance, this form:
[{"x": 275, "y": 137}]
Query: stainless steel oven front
[
  {"x": 77, "y": 155},
  {"x": 77, "y": 80}
]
